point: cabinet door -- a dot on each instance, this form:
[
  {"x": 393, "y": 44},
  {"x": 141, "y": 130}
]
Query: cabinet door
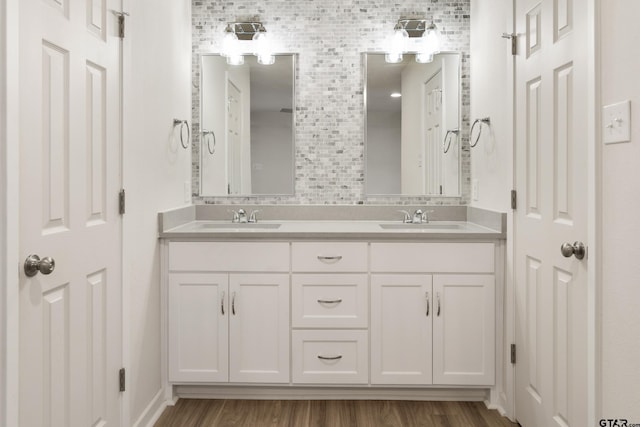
[
  {"x": 198, "y": 327},
  {"x": 401, "y": 322},
  {"x": 259, "y": 328},
  {"x": 464, "y": 329}
]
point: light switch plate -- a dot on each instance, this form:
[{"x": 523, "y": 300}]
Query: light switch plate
[{"x": 616, "y": 123}]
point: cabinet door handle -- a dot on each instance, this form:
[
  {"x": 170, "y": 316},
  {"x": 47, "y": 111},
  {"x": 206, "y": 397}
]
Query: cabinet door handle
[
  {"x": 233, "y": 303},
  {"x": 329, "y": 259},
  {"x": 438, "y": 297},
  {"x": 222, "y": 303},
  {"x": 330, "y": 301},
  {"x": 329, "y": 357},
  {"x": 426, "y": 294}
]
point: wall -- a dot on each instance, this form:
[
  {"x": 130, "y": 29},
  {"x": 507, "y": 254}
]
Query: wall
[
  {"x": 491, "y": 75},
  {"x": 330, "y": 37},
  {"x": 492, "y": 159},
  {"x": 157, "y": 87},
  {"x": 383, "y": 155},
  {"x": 271, "y": 145},
  {"x": 620, "y": 290}
]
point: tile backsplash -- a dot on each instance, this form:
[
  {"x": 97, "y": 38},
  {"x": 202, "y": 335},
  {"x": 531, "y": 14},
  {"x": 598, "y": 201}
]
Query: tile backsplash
[{"x": 329, "y": 37}]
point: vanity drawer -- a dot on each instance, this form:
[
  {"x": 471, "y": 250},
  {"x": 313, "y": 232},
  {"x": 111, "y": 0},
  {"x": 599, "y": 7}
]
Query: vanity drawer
[
  {"x": 229, "y": 256},
  {"x": 433, "y": 257},
  {"x": 329, "y": 301},
  {"x": 330, "y": 357},
  {"x": 329, "y": 257}
]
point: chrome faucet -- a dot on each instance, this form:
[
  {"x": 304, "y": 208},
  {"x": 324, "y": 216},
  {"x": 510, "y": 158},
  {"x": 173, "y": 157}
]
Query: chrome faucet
[{"x": 418, "y": 217}]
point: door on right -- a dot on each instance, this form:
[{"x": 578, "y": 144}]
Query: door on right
[{"x": 551, "y": 263}]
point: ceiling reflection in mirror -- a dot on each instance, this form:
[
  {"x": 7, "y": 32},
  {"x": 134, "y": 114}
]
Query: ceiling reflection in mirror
[
  {"x": 246, "y": 127},
  {"x": 412, "y": 126}
]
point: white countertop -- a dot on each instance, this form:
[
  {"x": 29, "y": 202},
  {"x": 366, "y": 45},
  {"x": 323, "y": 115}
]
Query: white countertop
[{"x": 337, "y": 230}]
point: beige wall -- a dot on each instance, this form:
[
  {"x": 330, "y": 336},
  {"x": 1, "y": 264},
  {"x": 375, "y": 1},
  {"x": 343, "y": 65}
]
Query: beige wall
[
  {"x": 157, "y": 89},
  {"x": 620, "y": 80}
]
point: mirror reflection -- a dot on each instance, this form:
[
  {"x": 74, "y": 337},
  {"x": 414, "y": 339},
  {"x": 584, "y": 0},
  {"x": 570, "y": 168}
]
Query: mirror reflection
[
  {"x": 246, "y": 125},
  {"x": 412, "y": 126}
]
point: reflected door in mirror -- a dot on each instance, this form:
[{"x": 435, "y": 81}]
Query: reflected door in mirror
[{"x": 409, "y": 109}]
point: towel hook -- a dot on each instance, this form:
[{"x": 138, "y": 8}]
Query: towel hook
[
  {"x": 484, "y": 120},
  {"x": 444, "y": 142},
  {"x": 205, "y": 133},
  {"x": 182, "y": 124}
]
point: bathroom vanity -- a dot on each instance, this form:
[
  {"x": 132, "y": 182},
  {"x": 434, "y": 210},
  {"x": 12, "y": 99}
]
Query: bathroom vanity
[{"x": 301, "y": 306}]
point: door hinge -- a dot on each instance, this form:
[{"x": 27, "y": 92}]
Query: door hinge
[
  {"x": 121, "y": 17},
  {"x": 514, "y": 41},
  {"x": 513, "y": 354},
  {"x": 514, "y": 199},
  {"x": 122, "y": 376},
  {"x": 121, "y": 202}
]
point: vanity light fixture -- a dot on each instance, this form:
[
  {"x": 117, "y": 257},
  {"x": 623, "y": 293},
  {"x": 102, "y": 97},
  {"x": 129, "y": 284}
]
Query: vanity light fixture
[
  {"x": 234, "y": 48},
  {"x": 426, "y": 45},
  {"x": 396, "y": 95}
]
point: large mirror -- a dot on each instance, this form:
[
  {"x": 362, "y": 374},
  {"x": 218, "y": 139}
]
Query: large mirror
[
  {"x": 412, "y": 126},
  {"x": 246, "y": 126}
]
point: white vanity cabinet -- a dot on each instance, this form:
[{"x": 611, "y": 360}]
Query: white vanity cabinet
[
  {"x": 228, "y": 312},
  {"x": 433, "y": 313},
  {"x": 330, "y": 313}
]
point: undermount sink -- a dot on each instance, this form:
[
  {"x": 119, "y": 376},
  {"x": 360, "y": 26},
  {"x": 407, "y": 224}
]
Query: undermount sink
[
  {"x": 423, "y": 226},
  {"x": 240, "y": 225}
]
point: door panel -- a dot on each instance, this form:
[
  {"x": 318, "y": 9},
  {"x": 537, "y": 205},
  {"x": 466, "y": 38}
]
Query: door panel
[
  {"x": 551, "y": 165},
  {"x": 401, "y": 329},
  {"x": 259, "y": 328}
]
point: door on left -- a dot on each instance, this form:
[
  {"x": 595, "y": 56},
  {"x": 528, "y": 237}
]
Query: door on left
[{"x": 70, "y": 175}]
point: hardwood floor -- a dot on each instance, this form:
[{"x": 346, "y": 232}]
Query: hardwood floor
[{"x": 329, "y": 413}]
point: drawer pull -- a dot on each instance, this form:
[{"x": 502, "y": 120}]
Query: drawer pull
[
  {"x": 222, "y": 303},
  {"x": 329, "y": 357},
  {"x": 330, "y": 301},
  {"x": 438, "y": 296},
  {"x": 330, "y": 259}
]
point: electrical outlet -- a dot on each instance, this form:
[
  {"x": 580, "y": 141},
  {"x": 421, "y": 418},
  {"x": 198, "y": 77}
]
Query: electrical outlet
[{"x": 474, "y": 189}]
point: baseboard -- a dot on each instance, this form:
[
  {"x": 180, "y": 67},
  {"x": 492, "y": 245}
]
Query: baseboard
[
  {"x": 154, "y": 409},
  {"x": 328, "y": 393}
]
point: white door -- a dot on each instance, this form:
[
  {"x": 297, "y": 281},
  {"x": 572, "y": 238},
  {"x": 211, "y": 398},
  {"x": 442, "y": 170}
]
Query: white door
[
  {"x": 401, "y": 329},
  {"x": 551, "y": 179},
  {"x": 464, "y": 329},
  {"x": 432, "y": 151},
  {"x": 259, "y": 328},
  {"x": 198, "y": 327},
  {"x": 70, "y": 320}
]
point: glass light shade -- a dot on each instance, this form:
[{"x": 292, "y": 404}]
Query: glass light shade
[
  {"x": 262, "y": 49},
  {"x": 396, "y": 45},
  {"x": 229, "y": 44}
]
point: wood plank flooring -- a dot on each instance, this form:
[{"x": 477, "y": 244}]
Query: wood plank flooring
[{"x": 329, "y": 413}]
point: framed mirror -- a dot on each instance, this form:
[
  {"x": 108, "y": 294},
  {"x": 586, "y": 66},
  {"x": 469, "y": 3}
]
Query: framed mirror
[
  {"x": 246, "y": 127},
  {"x": 412, "y": 126}
]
